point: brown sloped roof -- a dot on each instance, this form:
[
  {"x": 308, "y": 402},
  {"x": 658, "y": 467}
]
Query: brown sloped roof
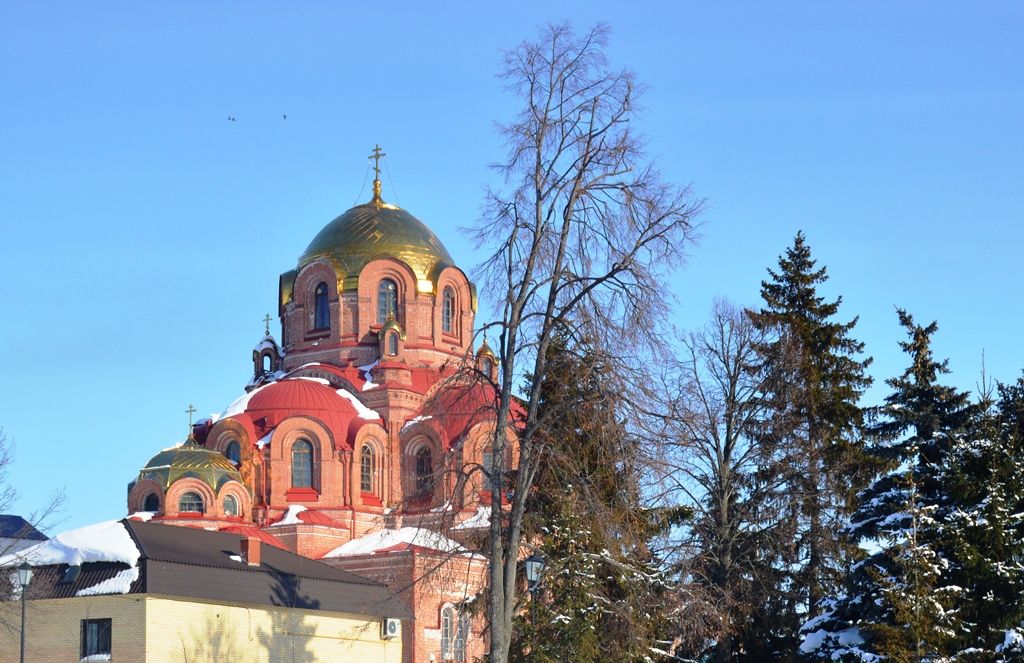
[
  {"x": 194, "y": 563},
  {"x": 47, "y": 580}
]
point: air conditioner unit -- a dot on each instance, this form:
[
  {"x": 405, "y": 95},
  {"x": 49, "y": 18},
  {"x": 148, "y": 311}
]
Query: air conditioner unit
[{"x": 390, "y": 628}]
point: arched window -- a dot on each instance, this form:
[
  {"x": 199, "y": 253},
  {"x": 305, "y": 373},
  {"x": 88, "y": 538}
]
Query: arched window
[
  {"x": 302, "y": 464},
  {"x": 454, "y": 631},
  {"x": 487, "y": 366},
  {"x": 322, "y": 314},
  {"x": 448, "y": 310},
  {"x": 460, "y": 639},
  {"x": 191, "y": 503},
  {"x": 233, "y": 452},
  {"x": 424, "y": 473},
  {"x": 392, "y": 344},
  {"x": 488, "y": 461},
  {"x": 448, "y": 620},
  {"x": 387, "y": 301},
  {"x": 151, "y": 503},
  {"x": 267, "y": 363},
  {"x": 230, "y": 505},
  {"x": 366, "y": 470}
]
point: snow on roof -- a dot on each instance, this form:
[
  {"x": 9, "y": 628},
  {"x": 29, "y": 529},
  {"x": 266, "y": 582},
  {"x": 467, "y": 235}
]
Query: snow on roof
[
  {"x": 103, "y": 542},
  {"x": 312, "y": 379},
  {"x": 265, "y": 440},
  {"x": 291, "y": 516},
  {"x": 119, "y": 584},
  {"x": 479, "y": 520},
  {"x": 266, "y": 342},
  {"x": 239, "y": 405},
  {"x": 416, "y": 420},
  {"x": 389, "y": 538},
  {"x": 363, "y": 411},
  {"x": 367, "y": 375}
]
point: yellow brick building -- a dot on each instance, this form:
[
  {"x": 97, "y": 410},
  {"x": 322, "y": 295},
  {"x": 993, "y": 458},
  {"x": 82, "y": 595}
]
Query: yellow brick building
[{"x": 202, "y": 596}]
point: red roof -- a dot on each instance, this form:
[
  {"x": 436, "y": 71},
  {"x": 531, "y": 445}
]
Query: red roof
[
  {"x": 254, "y": 532},
  {"x": 275, "y": 402},
  {"x": 311, "y": 517},
  {"x": 298, "y": 394},
  {"x": 458, "y": 408}
]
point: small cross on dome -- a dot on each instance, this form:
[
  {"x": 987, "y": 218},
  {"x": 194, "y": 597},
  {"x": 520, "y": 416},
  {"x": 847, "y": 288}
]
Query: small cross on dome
[{"x": 377, "y": 154}]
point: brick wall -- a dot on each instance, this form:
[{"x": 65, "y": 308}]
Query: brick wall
[
  {"x": 54, "y": 627},
  {"x": 149, "y": 629}
]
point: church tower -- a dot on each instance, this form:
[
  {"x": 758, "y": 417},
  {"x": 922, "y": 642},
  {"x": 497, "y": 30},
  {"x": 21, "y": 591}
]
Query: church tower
[{"x": 362, "y": 438}]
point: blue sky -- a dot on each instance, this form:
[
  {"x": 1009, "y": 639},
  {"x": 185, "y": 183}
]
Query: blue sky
[{"x": 142, "y": 234}]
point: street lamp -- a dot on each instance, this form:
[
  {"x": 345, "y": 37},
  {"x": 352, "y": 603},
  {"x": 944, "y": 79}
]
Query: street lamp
[
  {"x": 24, "y": 578},
  {"x": 534, "y": 568}
]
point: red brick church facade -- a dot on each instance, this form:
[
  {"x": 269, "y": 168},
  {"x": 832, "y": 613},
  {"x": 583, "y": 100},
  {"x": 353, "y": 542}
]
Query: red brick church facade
[{"x": 363, "y": 438}]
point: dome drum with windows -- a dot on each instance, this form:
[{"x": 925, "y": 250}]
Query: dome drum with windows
[{"x": 189, "y": 461}]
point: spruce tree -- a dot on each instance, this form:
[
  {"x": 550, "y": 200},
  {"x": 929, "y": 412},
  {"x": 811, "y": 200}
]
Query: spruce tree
[
  {"x": 603, "y": 595},
  {"x": 985, "y": 526},
  {"x": 899, "y": 603},
  {"x": 814, "y": 420}
]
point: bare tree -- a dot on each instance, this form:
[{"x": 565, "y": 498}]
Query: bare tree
[
  {"x": 37, "y": 520},
  {"x": 582, "y": 236},
  {"x": 725, "y": 549}
]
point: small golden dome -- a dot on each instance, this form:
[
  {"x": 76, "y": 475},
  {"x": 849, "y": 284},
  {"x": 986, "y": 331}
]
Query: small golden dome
[
  {"x": 485, "y": 350},
  {"x": 388, "y": 325},
  {"x": 189, "y": 460},
  {"x": 379, "y": 230}
]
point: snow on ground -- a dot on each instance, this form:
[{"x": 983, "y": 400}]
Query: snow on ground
[
  {"x": 416, "y": 536},
  {"x": 291, "y": 516},
  {"x": 416, "y": 420},
  {"x": 368, "y": 375},
  {"x": 363, "y": 411},
  {"x": 480, "y": 519}
]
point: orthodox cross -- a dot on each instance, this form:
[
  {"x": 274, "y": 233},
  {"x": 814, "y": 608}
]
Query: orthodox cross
[
  {"x": 266, "y": 321},
  {"x": 191, "y": 410},
  {"x": 377, "y": 154}
]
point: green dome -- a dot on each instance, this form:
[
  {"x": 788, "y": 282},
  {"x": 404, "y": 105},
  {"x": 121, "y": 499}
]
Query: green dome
[{"x": 190, "y": 460}]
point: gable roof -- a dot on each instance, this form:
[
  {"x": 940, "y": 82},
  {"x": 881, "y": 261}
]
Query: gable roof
[
  {"x": 16, "y": 527},
  {"x": 193, "y": 563}
]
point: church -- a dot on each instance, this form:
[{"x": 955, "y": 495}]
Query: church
[{"x": 362, "y": 439}]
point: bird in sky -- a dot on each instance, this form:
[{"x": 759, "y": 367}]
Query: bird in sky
[
  {"x": 283, "y": 116},
  {"x": 231, "y": 118}
]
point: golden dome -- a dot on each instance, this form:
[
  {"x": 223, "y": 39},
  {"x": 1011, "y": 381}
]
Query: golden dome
[
  {"x": 379, "y": 230},
  {"x": 189, "y": 460}
]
